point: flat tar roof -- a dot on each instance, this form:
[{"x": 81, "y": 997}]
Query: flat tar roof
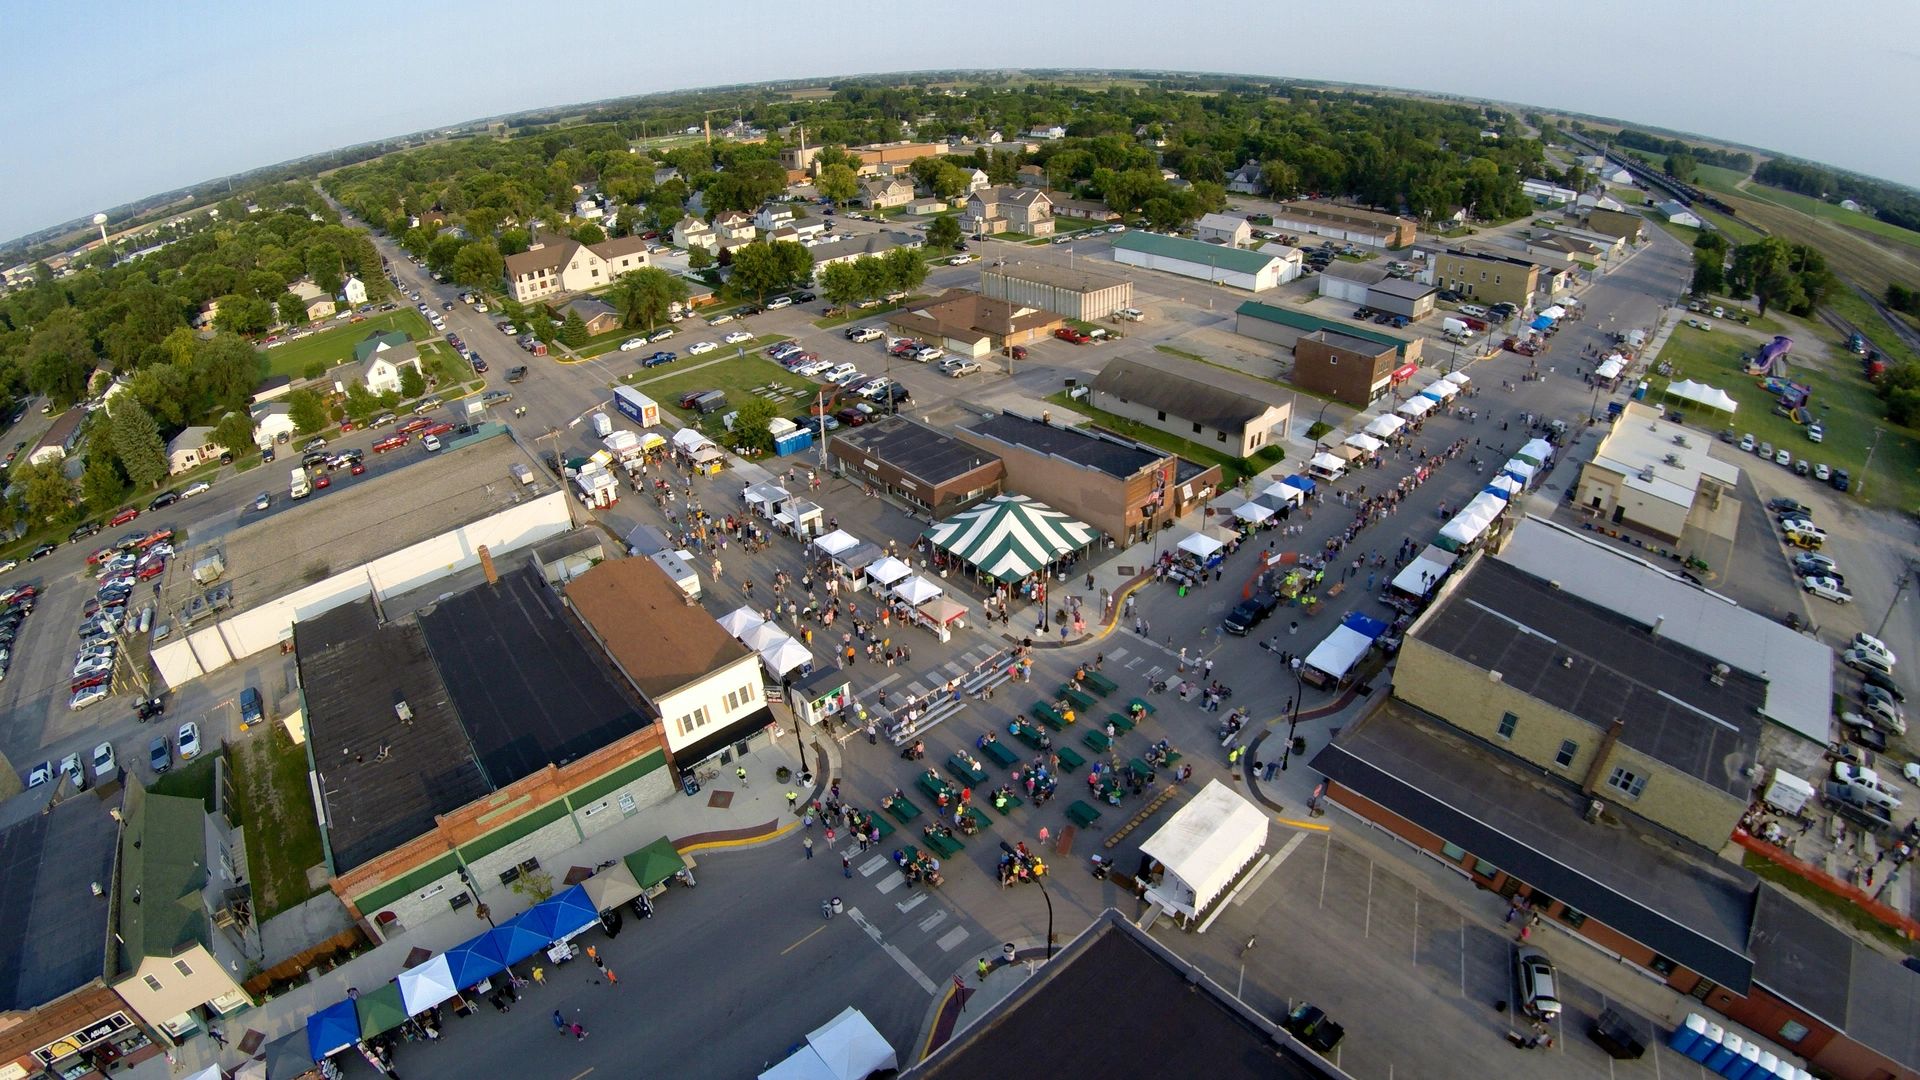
[
  {"x": 55, "y": 927},
  {"x": 525, "y": 683},
  {"x": 1601, "y": 666},
  {"x": 383, "y": 779},
  {"x": 1807, "y": 960},
  {"x": 354, "y": 523},
  {"x": 929, "y": 456},
  {"x": 1650, "y": 884},
  {"x": 1108, "y": 454}
]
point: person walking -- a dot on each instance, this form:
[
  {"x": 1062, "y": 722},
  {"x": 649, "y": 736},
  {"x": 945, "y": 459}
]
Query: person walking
[
  {"x": 579, "y": 1032},
  {"x": 873, "y": 733},
  {"x": 612, "y": 979},
  {"x": 741, "y": 772},
  {"x": 793, "y": 801},
  {"x": 982, "y": 968},
  {"x": 217, "y": 1036},
  {"x": 846, "y": 866},
  {"x": 539, "y": 976},
  {"x": 808, "y": 843},
  {"x": 559, "y": 1022},
  {"x": 1043, "y": 835}
]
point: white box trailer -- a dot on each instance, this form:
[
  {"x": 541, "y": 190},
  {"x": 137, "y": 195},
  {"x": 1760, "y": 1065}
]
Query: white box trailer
[
  {"x": 636, "y": 406},
  {"x": 602, "y": 425}
]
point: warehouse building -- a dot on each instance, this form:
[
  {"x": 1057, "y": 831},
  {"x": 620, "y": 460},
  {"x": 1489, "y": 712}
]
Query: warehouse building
[
  {"x": 1350, "y": 281},
  {"x": 1254, "y": 271},
  {"x": 1219, "y": 409},
  {"x": 1401, "y": 296},
  {"x": 1346, "y": 224},
  {"x": 1074, "y": 293},
  {"x": 1286, "y": 326}
]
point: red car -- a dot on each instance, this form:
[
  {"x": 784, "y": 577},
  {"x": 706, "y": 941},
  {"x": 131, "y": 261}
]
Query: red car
[
  {"x": 157, "y": 536},
  {"x": 322, "y": 482},
  {"x": 418, "y": 423},
  {"x": 101, "y": 556},
  {"x": 393, "y": 442},
  {"x": 123, "y": 517},
  {"x": 151, "y": 571},
  {"x": 442, "y": 428},
  {"x": 357, "y": 469},
  {"x": 89, "y": 680},
  {"x": 1068, "y": 333}
]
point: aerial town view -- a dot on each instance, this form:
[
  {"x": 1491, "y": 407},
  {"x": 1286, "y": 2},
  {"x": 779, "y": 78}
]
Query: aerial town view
[{"x": 851, "y": 547}]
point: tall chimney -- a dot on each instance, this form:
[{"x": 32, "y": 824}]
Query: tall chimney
[
  {"x": 1602, "y": 754},
  {"x": 486, "y": 566}
]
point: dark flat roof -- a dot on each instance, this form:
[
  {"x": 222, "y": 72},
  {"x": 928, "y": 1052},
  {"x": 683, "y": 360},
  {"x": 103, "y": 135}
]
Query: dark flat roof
[
  {"x": 1600, "y": 666},
  {"x": 1108, "y": 454},
  {"x": 54, "y": 927},
  {"x": 526, "y": 686},
  {"x": 1654, "y": 886},
  {"x": 929, "y": 456},
  {"x": 353, "y": 671},
  {"x": 1113, "y": 1004},
  {"x": 1803, "y": 958}
]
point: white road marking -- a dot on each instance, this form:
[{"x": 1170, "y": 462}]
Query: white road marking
[
  {"x": 927, "y": 924},
  {"x": 911, "y": 902},
  {"x": 898, "y": 957},
  {"x": 1259, "y": 877},
  {"x": 1119, "y": 653},
  {"x": 891, "y": 882},
  {"x": 874, "y": 865},
  {"x": 951, "y": 940}
]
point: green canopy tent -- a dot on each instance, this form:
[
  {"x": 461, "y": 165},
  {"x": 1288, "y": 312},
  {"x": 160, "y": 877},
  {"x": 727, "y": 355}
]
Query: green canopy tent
[
  {"x": 1010, "y": 537},
  {"x": 380, "y": 1010},
  {"x": 655, "y": 863}
]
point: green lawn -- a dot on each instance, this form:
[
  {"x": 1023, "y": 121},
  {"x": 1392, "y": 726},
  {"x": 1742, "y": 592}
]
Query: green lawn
[
  {"x": 193, "y": 780},
  {"x": 270, "y": 787},
  {"x": 1232, "y": 468},
  {"x": 739, "y": 376},
  {"x": 336, "y": 346},
  {"x": 1843, "y": 401},
  {"x": 1850, "y": 306},
  {"x": 857, "y": 314},
  {"x": 1842, "y": 909},
  {"x": 1820, "y": 209},
  {"x": 1715, "y": 178}
]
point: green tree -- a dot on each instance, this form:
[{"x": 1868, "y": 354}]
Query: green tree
[
  {"x": 1707, "y": 274},
  {"x": 837, "y": 182},
  {"x": 412, "y": 383},
  {"x": 165, "y": 390},
  {"x": 137, "y": 443},
  {"x": 242, "y": 314},
  {"x": 326, "y": 267},
  {"x": 765, "y": 267},
  {"x": 840, "y": 284},
  {"x": 514, "y": 240},
  {"x": 307, "y": 411},
  {"x": 479, "y": 264},
  {"x": 699, "y": 258},
  {"x": 750, "y": 421},
  {"x": 906, "y": 270},
  {"x": 45, "y": 492},
  {"x": 573, "y": 330},
  {"x": 944, "y": 232},
  {"x": 588, "y": 233},
  {"x": 951, "y": 181},
  {"x": 101, "y": 482},
  {"x": 235, "y": 432},
  {"x": 292, "y": 309},
  {"x": 225, "y": 372},
  {"x": 646, "y": 296},
  {"x": 441, "y": 253},
  {"x": 59, "y": 358},
  {"x": 1681, "y": 167}
]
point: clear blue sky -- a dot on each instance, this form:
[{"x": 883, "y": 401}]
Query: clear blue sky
[{"x": 112, "y": 100}]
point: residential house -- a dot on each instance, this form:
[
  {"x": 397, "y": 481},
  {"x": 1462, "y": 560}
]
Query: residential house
[
  {"x": 969, "y": 324},
  {"x": 734, "y": 227},
  {"x": 847, "y": 249},
  {"x": 691, "y": 232},
  {"x": 1051, "y": 131},
  {"x": 1223, "y": 229},
  {"x": 884, "y": 193},
  {"x": 978, "y": 179},
  {"x": 588, "y": 210},
  {"x": 1032, "y": 176},
  {"x": 557, "y": 264},
  {"x": 772, "y": 216},
  {"x": 166, "y": 953},
  {"x": 1248, "y": 179},
  {"x": 665, "y": 173},
  {"x": 379, "y": 339},
  {"x": 194, "y": 446},
  {"x": 380, "y": 371},
  {"x": 321, "y": 307},
  {"x": 60, "y": 438},
  {"x": 272, "y": 422},
  {"x": 925, "y": 207},
  {"x": 599, "y": 316},
  {"x": 354, "y": 291},
  {"x": 1065, "y": 206},
  {"x": 1219, "y": 409},
  {"x": 1008, "y": 209}
]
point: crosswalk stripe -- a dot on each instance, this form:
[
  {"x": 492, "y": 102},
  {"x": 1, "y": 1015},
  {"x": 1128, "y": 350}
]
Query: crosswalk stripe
[
  {"x": 890, "y": 883},
  {"x": 919, "y": 898},
  {"x": 951, "y": 940},
  {"x": 874, "y": 865},
  {"x": 927, "y": 924}
]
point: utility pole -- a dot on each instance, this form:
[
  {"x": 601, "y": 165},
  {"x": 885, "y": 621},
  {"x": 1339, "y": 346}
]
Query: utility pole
[
  {"x": 1860, "y": 489},
  {"x": 1900, "y": 588}
]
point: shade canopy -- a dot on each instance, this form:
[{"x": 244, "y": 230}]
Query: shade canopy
[
  {"x": 764, "y": 635},
  {"x": 1439, "y": 390},
  {"x": 690, "y": 439},
  {"x": 611, "y": 887},
  {"x": 1504, "y": 485},
  {"x": 1610, "y": 368},
  {"x": 332, "y": 1030},
  {"x": 1326, "y": 462},
  {"x": 1360, "y": 440},
  {"x": 1280, "y": 493},
  {"x": 740, "y": 621},
  {"x": 940, "y": 610},
  {"x": 476, "y": 959},
  {"x": 1702, "y": 394},
  {"x": 1252, "y": 511},
  {"x": 1415, "y": 407},
  {"x": 1339, "y": 651},
  {"x": 380, "y": 1010},
  {"x": 1541, "y": 323},
  {"x": 916, "y": 590},
  {"x": 518, "y": 940},
  {"x": 848, "y": 1047},
  {"x": 785, "y": 655},
  {"x": 655, "y": 863},
  {"x": 1423, "y": 573},
  {"x": 1458, "y": 378},
  {"x": 1009, "y": 537},
  {"x": 1203, "y": 847},
  {"x": 1385, "y": 426},
  {"x": 888, "y": 570},
  {"x": 836, "y": 542},
  {"x": 427, "y": 985},
  {"x": 1201, "y": 545},
  {"x": 762, "y": 494},
  {"x": 573, "y": 912}
]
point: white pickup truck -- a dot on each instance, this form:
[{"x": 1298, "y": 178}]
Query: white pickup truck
[{"x": 301, "y": 487}]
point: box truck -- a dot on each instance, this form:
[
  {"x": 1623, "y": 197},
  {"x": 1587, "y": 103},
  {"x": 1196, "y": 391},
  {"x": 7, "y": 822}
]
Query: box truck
[
  {"x": 635, "y": 406},
  {"x": 300, "y": 487},
  {"x": 602, "y": 426}
]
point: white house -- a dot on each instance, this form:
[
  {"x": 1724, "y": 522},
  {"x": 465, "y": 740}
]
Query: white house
[
  {"x": 772, "y": 216},
  {"x": 1223, "y": 229},
  {"x": 556, "y": 264},
  {"x": 272, "y": 422},
  {"x": 1543, "y": 192},
  {"x": 192, "y": 447},
  {"x": 734, "y": 227},
  {"x": 978, "y": 180},
  {"x": 1247, "y": 179},
  {"x": 1054, "y": 131},
  {"x": 380, "y": 372},
  {"x": 1676, "y": 211},
  {"x": 354, "y": 290},
  {"x": 692, "y": 233}
]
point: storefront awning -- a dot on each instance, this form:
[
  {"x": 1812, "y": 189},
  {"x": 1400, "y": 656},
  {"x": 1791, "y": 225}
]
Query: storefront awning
[{"x": 1404, "y": 372}]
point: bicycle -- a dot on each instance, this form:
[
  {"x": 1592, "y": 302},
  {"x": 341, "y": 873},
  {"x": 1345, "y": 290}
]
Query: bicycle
[{"x": 706, "y": 776}]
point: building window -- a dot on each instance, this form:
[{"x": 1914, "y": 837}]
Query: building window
[
  {"x": 1661, "y": 965},
  {"x": 1496, "y": 279},
  {"x": 1222, "y": 437},
  {"x": 153, "y": 984},
  {"x": 1627, "y": 782},
  {"x": 1454, "y": 852},
  {"x": 181, "y": 967},
  {"x": 1508, "y": 722},
  {"x": 1793, "y": 1031},
  {"x": 746, "y": 694},
  {"x": 1161, "y": 414},
  {"x": 733, "y": 701},
  {"x": 1485, "y": 869},
  {"x": 692, "y": 721},
  {"x": 1568, "y": 748}
]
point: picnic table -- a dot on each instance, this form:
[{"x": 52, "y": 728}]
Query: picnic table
[
  {"x": 1171, "y": 757},
  {"x": 1030, "y": 735},
  {"x": 1097, "y": 741},
  {"x": 979, "y": 816},
  {"x": 1081, "y": 814},
  {"x": 1140, "y": 769},
  {"x": 964, "y": 772},
  {"x": 1044, "y": 713},
  {"x": 1069, "y": 760},
  {"x": 1004, "y": 803},
  {"x": 1080, "y": 698},
  {"x": 1100, "y": 683},
  {"x": 1143, "y": 705},
  {"x": 902, "y": 810},
  {"x": 944, "y": 846},
  {"x": 936, "y": 787},
  {"x": 1001, "y": 755},
  {"x": 1120, "y": 722}
]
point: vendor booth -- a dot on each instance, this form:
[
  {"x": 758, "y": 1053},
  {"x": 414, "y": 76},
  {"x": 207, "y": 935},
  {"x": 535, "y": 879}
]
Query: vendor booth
[
  {"x": 1505, "y": 486},
  {"x": 741, "y": 621},
  {"x": 1519, "y": 470},
  {"x": 610, "y": 888},
  {"x": 1281, "y": 494},
  {"x": 1009, "y": 538},
  {"x": 1415, "y": 407},
  {"x": 1470, "y": 524},
  {"x": 1334, "y": 659},
  {"x": 1203, "y": 548},
  {"x": 916, "y": 590},
  {"x": 785, "y": 655},
  {"x": 825, "y": 692},
  {"x": 1385, "y": 426},
  {"x": 1364, "y": 442},
  {"x": 848, "y": 1047},
  {"x": 942, "y": 615},
  {"x": 837, "y": 542},
  {"x": 887, "y": 572},
  {"x": 1416, "y": 581},
  {"x": 1203, "y": 849},
  {"x": 1538, "y": 451},
  {"x": 1439, "y": 390},
  {"x": 1325, "y": 466},
  {"x": 800, "y": 517},
  {"x": 1459, "y": 378},
  {"x": 1252, "y": 513}
]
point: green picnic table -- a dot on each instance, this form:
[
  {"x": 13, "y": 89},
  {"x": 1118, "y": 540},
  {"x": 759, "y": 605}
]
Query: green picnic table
[
  {"x": 979, "y": 816},
  {"x": 1031, "y": 735},
  {"x": 1080, "y": 698},
  {"x": 902, "y": 810},
  {"x": 1004, "y": 803},
  {"x": 964, "y": 772},
  {"x": 1044, "y": 713},
  {"x": 936, "y": 787},
  {"x": 944, "y": 846},
  {"x": 881, "y": 825},
  {"x": 1097, "y": 741},
  {"x": 1001, "y": 755},
  {"x": 1081, "y": 814},
  {"x": 1143, "y": 705},
  {"x": 1140, "y": 769},
  {"x": 1120, "y": 722},
  {"x": 1100, "y": 683},
  {"x": 1069, "y": 760},
  {"x": 1172, "y": 756}
]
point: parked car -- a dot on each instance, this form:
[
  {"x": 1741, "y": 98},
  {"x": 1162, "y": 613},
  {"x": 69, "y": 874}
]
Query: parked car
[
  {"x": 160, "y": 754},
  {"x": 431, "y": 442},
  {"x": 1535, "y": 986},
  {"x": 736, "y": 337},
  {"x": 1788, "y": 506},
  {"x": 632, "y": 343},
  {"x": 1248, "y": 613},
  {"x": 958, "y": 366},
  {"x": 1310, "y": 1025},
  {"x": 105, "y": 768},
  {"x": 88, "y": 695},
  {"x": 701, "y": 347},
  {"x": 189, "y": 741},
  {"x": 164, "y": 499},
  {"x": 1827, "y": 589},
  {"x": 863, "y": 334}
]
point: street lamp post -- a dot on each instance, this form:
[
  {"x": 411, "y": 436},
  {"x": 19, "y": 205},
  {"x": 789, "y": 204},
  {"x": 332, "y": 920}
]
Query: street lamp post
[
  {"x": 1293, "y": 715},
  {"x": 479, "y": 906},
  {"x": 1028, "y": 861}
]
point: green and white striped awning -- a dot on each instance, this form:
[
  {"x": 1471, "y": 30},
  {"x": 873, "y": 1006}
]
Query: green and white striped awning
[{"x": 1010, "y": 536}]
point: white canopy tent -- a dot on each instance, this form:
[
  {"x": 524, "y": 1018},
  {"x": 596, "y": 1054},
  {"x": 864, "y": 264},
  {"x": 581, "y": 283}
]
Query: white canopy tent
[
  {"x": 1204, "y": 847},
  {"x": 1458, "y": 378},
  {"x": 916, "y": 590},
  {"x": 888, "y": 571},
  {"x": 1201, "y": 545},
  {"x": 1441, "y": 389},
  {"x": 1610, "y": 368},
  {"x": 1221, "y": 533},
  {"x": 763, "y": 635},
  {"x": 427, "y": 985},
  {"x": 784, "y": 655},
  {"x": 741, "y": 621},
  {"x": 1324, "y": 462},
  {"x": 1507, "y": 485},
  {"x": 1519, "y": 467},
  {"x": 837, "y": 542},
  {"x": 1339, "y": 651},
  {"x": 1423, "y": 573},
  {"x": 1555, "y": 312},
  {"x": 1538, "y": 451},
  {"x": 1360, "y": 440},
  {"x": 1281, "y": 493},
  {"x": 1702, "y": 394},
  {"x": 848, "y": 1047},
  {"x": 1415, "y": 407},
  {"x": 689, "y": 440},
  {"x": 1385, "y": 426},
  {"x": 1253, "y": 512}
]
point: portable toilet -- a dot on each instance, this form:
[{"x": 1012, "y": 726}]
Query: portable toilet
[
  {"x": 1785, "y": 1070},
  {"x": 1727, "y": 1053},
  {"x": 1690, "y": 1032},
  {"x": 1766, "y": 1068},
  {"x": 1747, "y": 1064},
  {"x": 1709, "y": 1042}
]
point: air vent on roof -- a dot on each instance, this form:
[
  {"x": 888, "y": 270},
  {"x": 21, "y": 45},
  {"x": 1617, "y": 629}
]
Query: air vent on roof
[
  {"x": 1494, "y": 676},
  {"x": 1671, "y": 459},
  {"x": 1718, "y": 676}
]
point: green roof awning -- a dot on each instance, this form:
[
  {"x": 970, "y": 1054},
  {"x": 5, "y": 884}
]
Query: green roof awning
[{"x": 655, "y": 863}]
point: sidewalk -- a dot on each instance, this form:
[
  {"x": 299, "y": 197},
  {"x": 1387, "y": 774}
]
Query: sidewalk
[{"x": 754, "y": 814}]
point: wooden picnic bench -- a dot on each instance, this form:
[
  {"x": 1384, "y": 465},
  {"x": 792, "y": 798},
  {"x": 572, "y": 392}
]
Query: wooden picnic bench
[
  {"x": 1143, "y": 705},
  {"x": 1002, "y": 755},
  {"x": 1069, "y": 760},
  {"x": 902, "y": 810},
  {"x": 1100, "y": 683},
  {"x": 944, "y": 846},
  {"x": 1081, "y": 814},
  {"x": 1097, "y": 741},
  {"x": 964, "y": 772},
  {"x": 1044, "y": 713},
  {"x": 1031, "y": 736},
  {"x": 1120, "y": 722},
  {"x": 1080, "y": 698}
]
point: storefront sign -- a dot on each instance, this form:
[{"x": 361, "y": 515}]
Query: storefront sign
[{"x": 105, "y": 1028}]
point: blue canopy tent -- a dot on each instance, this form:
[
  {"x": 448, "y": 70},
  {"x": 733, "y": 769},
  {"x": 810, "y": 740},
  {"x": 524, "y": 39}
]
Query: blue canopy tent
[
  {"x": 573, "y": 912},
  {"x": 332, "y": 1030},
  {"x": 518, "y": 940},
  {"x": 472, "y": 961},
  {"x": 1302, "y": 482},
  {"x": 542, "y": 918},
  {"x": 1541, "y": 323},
  {"x": 1364, "y": 624}
]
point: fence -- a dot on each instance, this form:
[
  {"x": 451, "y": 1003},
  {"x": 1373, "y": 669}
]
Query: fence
[
  {"x": 1901, "y": 922},
  {"x": 338, "y": 947}
]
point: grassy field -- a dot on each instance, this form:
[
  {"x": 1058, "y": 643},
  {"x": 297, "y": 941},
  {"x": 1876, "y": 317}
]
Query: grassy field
[
  {"x": 738, "y": 376},
  {"x": 336, "y": 346},
  {"x": 1866, "y": 258},
  {"x": 1817, "y": 208},
  {"x": 1843, "y": 402},
  {"x": 1715, "y": 178},
  {"x": 1233, "y": 469},
  {"x": 270, "y": 786},
  {"x": 1841, "y": 909},
  {"x": 193, "y": 780}
]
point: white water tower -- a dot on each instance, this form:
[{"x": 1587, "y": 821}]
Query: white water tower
[{"x": 100, "y": 222}]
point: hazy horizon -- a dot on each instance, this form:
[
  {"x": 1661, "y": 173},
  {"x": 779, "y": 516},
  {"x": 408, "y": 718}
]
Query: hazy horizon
[{"x": 135, "y": 120}]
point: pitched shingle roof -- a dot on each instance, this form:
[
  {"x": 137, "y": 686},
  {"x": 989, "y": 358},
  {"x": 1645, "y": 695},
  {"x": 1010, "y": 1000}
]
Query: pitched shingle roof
[
  {"x": 163, "y": 855},
  {"x": 1196, "y": 393},
  {"x": 643, "y": 620}
]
